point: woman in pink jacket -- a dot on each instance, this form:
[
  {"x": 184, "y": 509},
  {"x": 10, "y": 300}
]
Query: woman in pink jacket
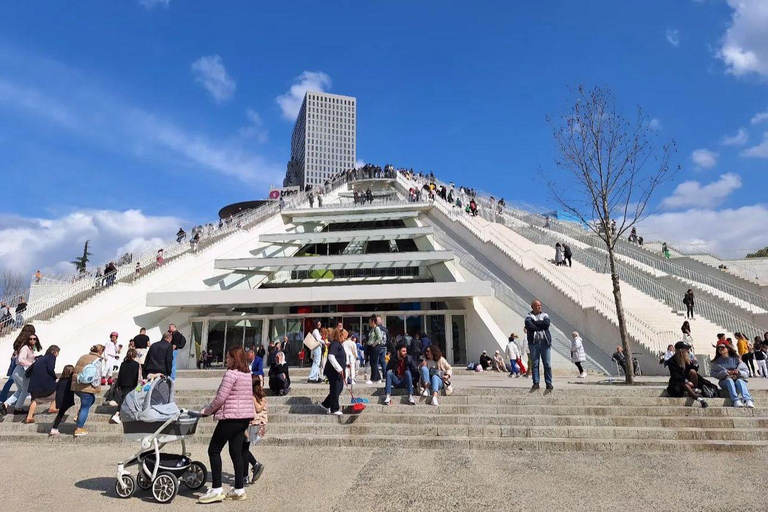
[{"x": 233, "y": 409}]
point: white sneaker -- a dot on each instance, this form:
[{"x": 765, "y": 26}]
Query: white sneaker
[
  {"x": 737, "y": 403},
  {"x": 750, "y": 404},
  {"x": 387, "y": 399},
  {"x": 54, "y": 432},
  {"x": 425, "y": 392},
  {"x": 380, "y": 381},
  {"x": 212, "y": 496},
  {"x": 115, "y": 419},
  {"x": 411, "y": 400},
  {"x": 434, "y": 401},
  {"x": 111, "y": 403},
  {"x": 338, "y": 413},
  {"x": 583, "y": 375},
  {"x": 369, "y": 382}
]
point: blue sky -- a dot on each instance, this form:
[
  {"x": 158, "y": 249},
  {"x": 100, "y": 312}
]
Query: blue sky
[{"x": 120, "y": 120}]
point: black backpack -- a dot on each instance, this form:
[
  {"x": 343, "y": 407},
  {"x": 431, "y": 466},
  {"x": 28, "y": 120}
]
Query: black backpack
[{"x": 180, "y": 342}]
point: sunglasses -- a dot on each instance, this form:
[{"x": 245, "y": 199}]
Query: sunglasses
[{"x": 33, "y": 337}]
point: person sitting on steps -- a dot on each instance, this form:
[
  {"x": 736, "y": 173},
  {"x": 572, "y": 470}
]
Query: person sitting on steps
[
  {"x": 400, "y": 372},
  {"x": 684, "y": 374},
  {"x": 732, "y": 373}
]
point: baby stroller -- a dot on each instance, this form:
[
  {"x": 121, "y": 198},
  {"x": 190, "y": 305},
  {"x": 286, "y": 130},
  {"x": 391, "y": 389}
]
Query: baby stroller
[{"x": 150, "y": 416}]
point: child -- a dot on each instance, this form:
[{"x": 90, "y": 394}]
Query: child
[
  {"x": 301, "y": 358},
  {"x": 127, "y": 379},
  {"x": 256, "y": 430},
  {"x": 65, "y": 397}
]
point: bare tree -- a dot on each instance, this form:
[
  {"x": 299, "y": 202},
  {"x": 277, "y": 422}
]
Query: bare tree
[
  {"x": 610, "y": 169},
  {"x": 12, "y": 285}
]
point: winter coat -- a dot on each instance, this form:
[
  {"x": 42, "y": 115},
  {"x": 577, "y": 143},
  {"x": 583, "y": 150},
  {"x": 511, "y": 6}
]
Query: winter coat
[
  {"x": 558, "y": 254},
  {"x": 538, "y": 324},
  {"x": 577, "y": 350},
  {"x": 721, "y": 365},
  {"x": 43, "y": 379},
  {"x": 234, "y": 398},
  {"x": 82, "y": 363}
]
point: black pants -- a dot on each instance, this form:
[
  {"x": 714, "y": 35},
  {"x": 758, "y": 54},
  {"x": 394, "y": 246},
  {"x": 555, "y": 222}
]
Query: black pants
[
  {"x": 749, "y": 360},
  {"x": 232, "y": 432},
  {"x": 336, "y": 385},
  {"x": 689, "y": 311},
  {"x": 248, "y": 461},
  {"x": 578, "y": 365},
  {"x": 59, "y": 417},
  {"x": 568, "y": 259}
]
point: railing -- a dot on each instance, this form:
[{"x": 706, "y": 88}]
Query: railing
[
  {"x": 597, "y": 260},
  {"x": 507, "y": 296},
  {"x": 586, "y": 296},
  {"x": 385, "y": 201}
]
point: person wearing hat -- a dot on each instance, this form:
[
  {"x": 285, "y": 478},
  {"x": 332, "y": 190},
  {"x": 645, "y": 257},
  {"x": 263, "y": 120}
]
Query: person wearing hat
[
  {"x": 486, "y": 361},
  {"x": 111, "y": 356},
  {"x": 512, "y": 351},
  {"x": 684, "y": 374},
  {"x": 732, "y": 373},
  {"x": 498, "y": 362}
]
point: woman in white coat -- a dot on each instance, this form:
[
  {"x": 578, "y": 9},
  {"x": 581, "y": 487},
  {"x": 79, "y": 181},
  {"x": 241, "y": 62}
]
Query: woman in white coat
[{"x": 578, "y": 355}]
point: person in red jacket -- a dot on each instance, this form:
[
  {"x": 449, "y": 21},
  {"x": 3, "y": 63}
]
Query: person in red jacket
[{"x": 233, "y": 409}]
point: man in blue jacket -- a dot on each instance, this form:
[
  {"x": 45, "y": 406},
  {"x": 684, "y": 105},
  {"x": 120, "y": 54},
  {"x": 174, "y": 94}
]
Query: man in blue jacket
[{"x": 539, "y": 343}]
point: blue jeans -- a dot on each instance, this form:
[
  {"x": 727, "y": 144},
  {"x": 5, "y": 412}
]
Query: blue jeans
[
  {"x": 736, "y": 387},
  {"x": 393, "y": 380},
  {"x": 544, "y": 352},
  {"x": 435, "y": 383},
  {"x": 378, "y": 358},
  {"x": 86, "y": 401},
  {"x": 317, "y": 354},
  {"x": 6, "y": 390},
  {"x": 173, "y": 367},
  {"x": 513, "y": 367},
  {"x": 19, "y": 377}
]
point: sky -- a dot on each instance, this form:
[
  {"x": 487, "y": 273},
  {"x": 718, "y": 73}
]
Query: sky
[{"x": 121, "y": 121}]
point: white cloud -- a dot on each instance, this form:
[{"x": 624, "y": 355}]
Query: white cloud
[
  {"x": 655, "y": 124},
  {"x": 673, "y": 37},
  {"x": 759, "y": 117},
  {"x": 693, "y": 193},
  {"x": 704, "y": 158},
  {"x": 759, "y": 151},
  {"x": 151, "y": 4},
  {"x": 744, "y": 47},
  {"x": 290, "y": 102},
  {"x": 28, "y": 244},
  {"x": 210, "y": 72},
  {"x": 739, "y": 139},
  {"x": 78, "y": 108},
  {"x": 256, "y": 128},
  {"x": 727, "y": 232}
]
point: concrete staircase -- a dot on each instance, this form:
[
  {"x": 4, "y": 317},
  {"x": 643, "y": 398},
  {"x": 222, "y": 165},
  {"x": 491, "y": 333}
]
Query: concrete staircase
[{"x": 502, "y": 415}]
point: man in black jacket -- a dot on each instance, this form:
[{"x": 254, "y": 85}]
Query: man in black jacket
[
  {"x": 159, "y": 357},
  {"x": 400, "y": 372},
  {"x": 179, "y": 342}
]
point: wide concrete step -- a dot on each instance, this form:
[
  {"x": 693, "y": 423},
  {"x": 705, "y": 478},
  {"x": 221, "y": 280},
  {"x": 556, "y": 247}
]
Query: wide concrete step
[
  {"x": 473, "y": 431},
  {"x": 429, "y": 442},
  {"x": 195, "y": 403}
]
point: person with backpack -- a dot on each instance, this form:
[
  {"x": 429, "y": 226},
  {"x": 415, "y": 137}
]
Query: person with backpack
[
  {"x": 65, "y": 397},
  {"x": 42, "y": 382},
  {"x": 24, "y": 347},
  {"x": 179, "y": 342},
  {"x": 86, "y": 383}
]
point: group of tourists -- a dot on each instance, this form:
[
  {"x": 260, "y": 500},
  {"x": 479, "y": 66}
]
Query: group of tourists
[{"x": 12, "y": 316}]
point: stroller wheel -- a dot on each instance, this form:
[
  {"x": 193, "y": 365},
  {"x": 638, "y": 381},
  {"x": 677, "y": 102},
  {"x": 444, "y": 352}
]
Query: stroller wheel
[
  {"x": 165, "y": 487},
  {"x": 127, "y": 488},
  {"x": 195, "y": 476},
  {"x": 143, "y": 481}
]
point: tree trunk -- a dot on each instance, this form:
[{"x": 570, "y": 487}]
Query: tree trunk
[{"x": 630, "y": 366}]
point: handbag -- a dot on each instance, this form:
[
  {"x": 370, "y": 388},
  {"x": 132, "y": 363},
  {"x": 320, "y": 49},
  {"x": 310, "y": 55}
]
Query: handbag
[{"x": 310, "y": 342}]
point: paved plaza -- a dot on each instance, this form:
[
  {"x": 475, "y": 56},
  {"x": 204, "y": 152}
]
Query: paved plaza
[{"x": 336, "y": 479}]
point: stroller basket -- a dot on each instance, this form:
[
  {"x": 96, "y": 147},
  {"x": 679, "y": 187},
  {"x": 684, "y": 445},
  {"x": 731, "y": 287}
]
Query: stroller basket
[{"x": 176, "y": 464}]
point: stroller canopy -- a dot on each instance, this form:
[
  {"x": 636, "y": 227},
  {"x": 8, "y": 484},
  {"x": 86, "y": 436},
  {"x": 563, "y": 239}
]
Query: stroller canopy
[{"x": 153, "y": 402}]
